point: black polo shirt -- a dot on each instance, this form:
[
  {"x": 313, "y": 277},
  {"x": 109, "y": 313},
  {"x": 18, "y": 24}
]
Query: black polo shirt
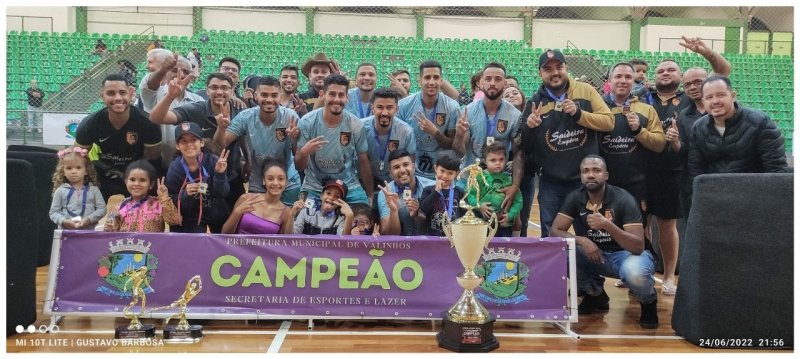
[
  {"x": 310, "y": 97},
  {"x": 618, "y": 205},
  {"x": 201, "y": 114},
  {"x": 118, "y": 147}
]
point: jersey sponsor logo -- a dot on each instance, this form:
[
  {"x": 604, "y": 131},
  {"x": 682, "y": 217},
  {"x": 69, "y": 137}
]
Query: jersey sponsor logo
[
  {"x": 565, "y": 140},
  {"x": 440, "y": 119},
  {"x": 344, "y": 138},
  {"x": 280, "y": 134},
  {"x": 502, "y": 126},
  {"x": 132, "y": 137}
]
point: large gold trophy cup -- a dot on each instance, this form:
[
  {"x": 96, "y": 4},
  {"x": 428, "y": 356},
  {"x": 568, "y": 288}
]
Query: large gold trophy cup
[{"x": 467, "y": 326}]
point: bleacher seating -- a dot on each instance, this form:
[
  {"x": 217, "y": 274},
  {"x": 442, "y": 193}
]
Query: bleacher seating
[{"x": 763, "y": 82}]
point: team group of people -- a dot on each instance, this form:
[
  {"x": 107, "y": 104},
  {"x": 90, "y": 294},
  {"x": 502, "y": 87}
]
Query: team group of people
[{"x": 348, "y": 158}]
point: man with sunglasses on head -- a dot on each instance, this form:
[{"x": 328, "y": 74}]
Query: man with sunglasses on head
[{"x": 155, "y": 90}]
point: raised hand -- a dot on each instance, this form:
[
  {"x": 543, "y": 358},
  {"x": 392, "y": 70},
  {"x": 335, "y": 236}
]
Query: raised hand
[
  {"x": 391, "y": 197},
  {"x": 633, "y": 121},
  {"x": 535, "y": 118},
  {"x": 462, "y": 126},
  {"x": 376, "y": 230},
  {"x": 222, "y": 162},
  {"x": 238, "y": 103},
  {"x": 248, "y": 204},
  {"x": 345, "y": 208},
  {"x": 672, "y": 135},
  {"x": 178, "y": 84},
  {"x": 595, "y": 220},
  {"x": 162, "y": 188},
  {"x": 224, "y": 119},
  {"x": 314, "y": 145},
  {"x": 695, "y": 44},
  {"x": 292, "y": 130},
  {"x": 569, "y": 107},
  {"x": 335, "y": 68},
  {"x": 425, "y": 124},
  {"x": 298, "y": 105}
]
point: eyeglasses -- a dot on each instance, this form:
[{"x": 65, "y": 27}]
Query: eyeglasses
[
  {"x": 215, "y": 88},
  {"x": 693, "y": 83},
  {"x": 229, "y": 69}
]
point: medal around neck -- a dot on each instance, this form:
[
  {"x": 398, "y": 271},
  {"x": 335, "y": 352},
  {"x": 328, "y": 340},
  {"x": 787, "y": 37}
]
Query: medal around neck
[
  {"x": 467, "y": 326},
  {"x": 137, "y": 281}
]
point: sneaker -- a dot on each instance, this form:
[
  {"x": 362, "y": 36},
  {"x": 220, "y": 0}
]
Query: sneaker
[
  {"x": 649, "y": 317},
  {"x": 592, "y": 303}
]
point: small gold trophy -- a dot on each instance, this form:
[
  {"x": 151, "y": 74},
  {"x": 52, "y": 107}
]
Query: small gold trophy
[
  {"x": 183, "y": 332},
  {"x": 467, "y": 326},
  {"x": 135, "y": 330}
]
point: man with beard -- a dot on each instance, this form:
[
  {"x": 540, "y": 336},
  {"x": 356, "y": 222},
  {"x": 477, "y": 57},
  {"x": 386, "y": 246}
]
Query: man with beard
[
  {"x": 400, "y": 81},
  {"x": 316, "y": 69},
  {"x": 122, "y": 134},
  {"x": 358, "y": 99},
  {"x": 562, "y": 118},
  {"x": 732, "y": 138},
  {"x": 402, "y": 217},
  {"x": 330, "y": 140},
  {"x": 289, "y": 83},
  {"x": 664, "y": 168},
  {"x": 386, "y": 133},
  {"x": 273, "y": 133},
  {"x": 636, "y": 128},
  {"x": 209, "y": 114},
  {"x": 610, "y": 241},
  {"x": 432, "y": 115},
  {"x": 487, "y": 120}
]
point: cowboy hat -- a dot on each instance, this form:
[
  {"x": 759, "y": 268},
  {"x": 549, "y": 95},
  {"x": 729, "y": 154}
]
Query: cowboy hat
[{"x": 319, "y": 58}]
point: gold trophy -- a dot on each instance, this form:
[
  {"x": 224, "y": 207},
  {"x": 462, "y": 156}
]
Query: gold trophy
[
  {"x": 135, "y": 330},
  {"x": 467, "y": 326},
  {"x": 183, "y": 332}
]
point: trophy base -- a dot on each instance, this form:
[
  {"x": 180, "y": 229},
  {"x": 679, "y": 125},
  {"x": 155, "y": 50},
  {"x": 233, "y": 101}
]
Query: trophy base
[
  {"x": 467, "y": 337},
  {"x": 147, "y": 331},
  {"x": 191, "y": 335}
]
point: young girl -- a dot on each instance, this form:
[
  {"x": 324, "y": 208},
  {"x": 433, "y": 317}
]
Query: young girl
[
  {"x": 197, "y": 182},
  {"x": 263, "y": 213},
  {"x": 363, "y": 223},
  {"x": 330, "y": 216},
  {"x": 77, "y": 201},
  {"x": 141, "y": 212}
]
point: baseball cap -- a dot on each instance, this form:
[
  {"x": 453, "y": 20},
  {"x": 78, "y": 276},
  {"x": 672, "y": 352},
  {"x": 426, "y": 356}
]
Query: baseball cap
[
  {"x": 338, "y": 184},
  {"x": 188, "y": 127},
  {"x": 551, "y": 54}
]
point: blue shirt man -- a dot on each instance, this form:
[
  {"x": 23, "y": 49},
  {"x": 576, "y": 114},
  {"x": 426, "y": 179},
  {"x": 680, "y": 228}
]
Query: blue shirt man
[
  {"x": 406, "y": 219},
  {"x": 385, "y": 133},
  {"x": 359, "y": 98}
]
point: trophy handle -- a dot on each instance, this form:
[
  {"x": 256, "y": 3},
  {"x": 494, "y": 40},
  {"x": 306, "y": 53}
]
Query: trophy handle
[
  {"x": 448, "y": 232},
  {"x": 493, "y": 225}
]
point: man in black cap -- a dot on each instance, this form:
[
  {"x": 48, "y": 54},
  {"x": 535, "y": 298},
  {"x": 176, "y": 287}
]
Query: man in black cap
[
  {"x": 316, "y": 69},
  {"x": 562, "y": 120}
]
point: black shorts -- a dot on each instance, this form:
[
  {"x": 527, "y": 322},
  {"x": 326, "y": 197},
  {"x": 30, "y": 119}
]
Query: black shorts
[
  {"x": 663, "y": 194},
  {"x": 639, "y": 193}
]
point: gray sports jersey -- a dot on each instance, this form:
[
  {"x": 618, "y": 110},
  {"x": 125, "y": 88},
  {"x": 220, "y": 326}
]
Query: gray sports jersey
[
  {"x": 355, "y": 106},
  {"x": 444, "y": 117},
  {"x": 503, "y": 127},
  {"x": 335, "y": 159},
  {"x": 267, "y": 141},
  {"x": 401, "y": 137}
]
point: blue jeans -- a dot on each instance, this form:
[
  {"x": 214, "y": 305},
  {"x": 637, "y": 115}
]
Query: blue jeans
[
  {"x": 636, "y": 271},
  {"x": 551, "y": 197},
  {"x": 527, "y": 189}
]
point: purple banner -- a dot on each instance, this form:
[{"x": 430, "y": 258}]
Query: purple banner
[{"x": 310, "y": 276}]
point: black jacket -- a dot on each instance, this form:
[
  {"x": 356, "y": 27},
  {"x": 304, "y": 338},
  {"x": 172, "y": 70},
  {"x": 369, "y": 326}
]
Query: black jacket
[{"x": 751, "y": 143}]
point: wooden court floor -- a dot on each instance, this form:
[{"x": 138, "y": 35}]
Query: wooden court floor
[{"x": 616, "y": 331}]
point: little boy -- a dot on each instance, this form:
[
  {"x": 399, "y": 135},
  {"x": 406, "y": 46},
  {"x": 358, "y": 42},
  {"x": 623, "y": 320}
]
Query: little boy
[
  {"x": 330, "y": 216},
  {"x": 441, "y": 199},
  {"x": 493, "y": 179},
  {"x": 640, "y": 86}
]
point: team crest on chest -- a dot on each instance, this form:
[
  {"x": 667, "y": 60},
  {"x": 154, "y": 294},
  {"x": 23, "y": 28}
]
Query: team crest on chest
[
  {"x": 609, "y": 214},
  {"x": 393, "y": 145},
  {"x": 676, "y": 102},
  {"x": 280, "y": 134},
  {"x": 440, "y": 119},
  {"x": 132, "y": 137},
  {"x": 344, "y": 138},
  {"x": 502, "y": 126}
]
